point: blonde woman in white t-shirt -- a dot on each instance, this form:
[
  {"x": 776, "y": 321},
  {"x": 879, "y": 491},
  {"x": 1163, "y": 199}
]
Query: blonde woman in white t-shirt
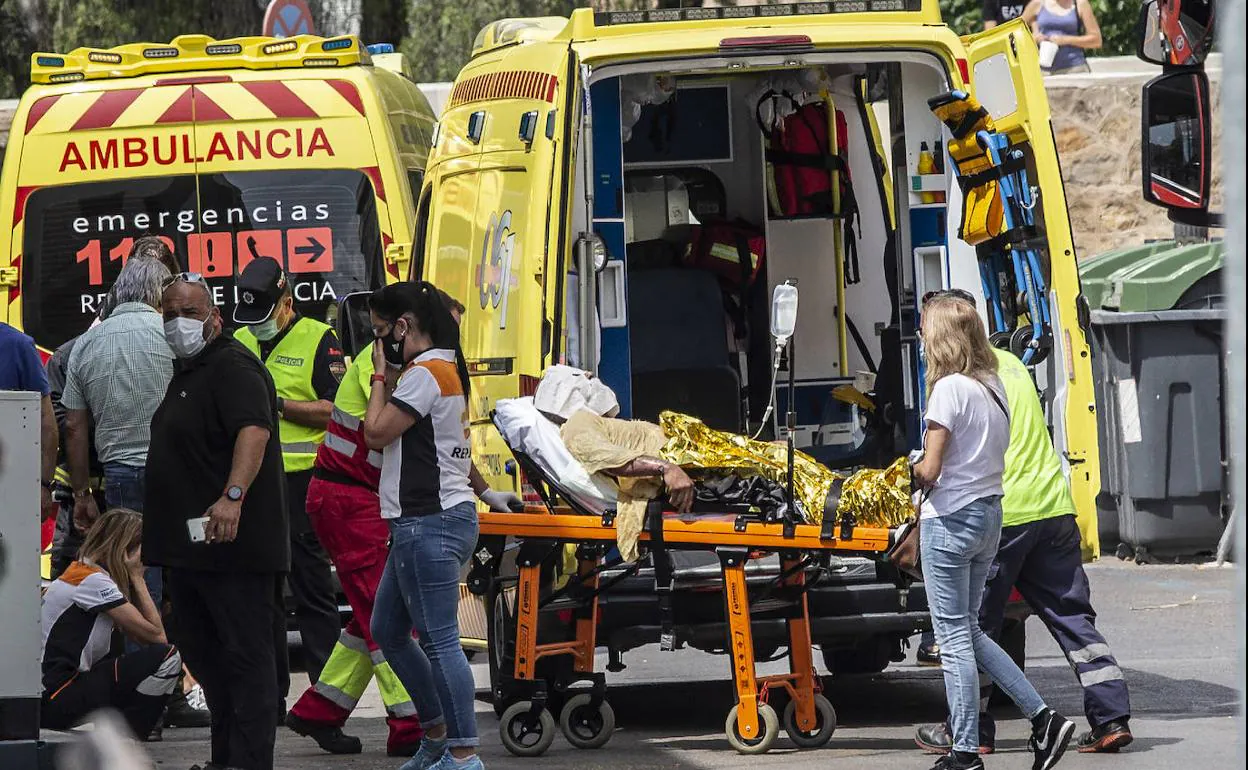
[{"x": 968, "y": 431}]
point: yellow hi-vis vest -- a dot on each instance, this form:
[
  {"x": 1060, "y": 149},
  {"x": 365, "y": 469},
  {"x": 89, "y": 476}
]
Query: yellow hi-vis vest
[{"x": 290, "y": 364}]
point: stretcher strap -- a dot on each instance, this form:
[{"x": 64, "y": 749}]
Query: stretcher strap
[
  {"x": 828, "y": 529},
  {"x": 663, "y": 577},
  {"x": 1009, "y": 166}
]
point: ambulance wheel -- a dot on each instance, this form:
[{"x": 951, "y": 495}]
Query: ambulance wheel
[
  {"x": 825, "y": 724},
  {"x": 521, "y": 738},
  {"x": 769, "y": 724},
  {"x": 584, "y": 725}
]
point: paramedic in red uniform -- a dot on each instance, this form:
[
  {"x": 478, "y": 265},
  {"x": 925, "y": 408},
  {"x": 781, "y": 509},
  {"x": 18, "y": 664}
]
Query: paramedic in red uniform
[
  {"x": 345, "y": 512},
  {"x": 305, "y": 360}
]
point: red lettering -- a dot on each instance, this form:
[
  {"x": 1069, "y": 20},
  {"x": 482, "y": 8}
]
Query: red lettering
[
  {"x": 187, "y": 155},
  {"x": 269, "y": 143},
  {"x": 253, "y": 148},
  {"x": 299, "y": 142},
  {"x": 103, "y": 155},
  {"x": 135, "y": 150},
  {"x": 72, "y": 157},
  {"x": 91, "y": 255},
  {"x": 320, "y": 142},
  {"x": 173, "y": 151},
  {"x": 218, "y": 147}
]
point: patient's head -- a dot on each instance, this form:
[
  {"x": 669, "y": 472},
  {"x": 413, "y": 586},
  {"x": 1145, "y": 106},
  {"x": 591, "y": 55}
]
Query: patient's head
[{"x": 565, "y": 390}]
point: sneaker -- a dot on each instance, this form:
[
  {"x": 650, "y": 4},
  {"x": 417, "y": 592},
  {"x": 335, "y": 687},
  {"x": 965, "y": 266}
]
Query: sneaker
[
  {"x": 928, "y": 654},
  {"x": 1106, "y": 739},
  {"x": 430, "y": 753},
  {"x": 188, "y": 709},
  {"x": 449, "y": 762},
  {"x": 937, "y": 739},
  {"x": 331, "y": 739},
  {"x": 1050, "y": 735},
  {"x": 156, "y": 735},
  {"x": 952, "y": 762}
]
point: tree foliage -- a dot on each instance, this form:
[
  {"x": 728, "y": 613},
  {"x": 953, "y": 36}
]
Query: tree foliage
[{"x": 436, "y": 35}]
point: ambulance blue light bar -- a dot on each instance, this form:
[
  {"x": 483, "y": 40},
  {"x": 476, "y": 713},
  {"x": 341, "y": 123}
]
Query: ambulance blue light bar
[{"x": 659, "y": 15}]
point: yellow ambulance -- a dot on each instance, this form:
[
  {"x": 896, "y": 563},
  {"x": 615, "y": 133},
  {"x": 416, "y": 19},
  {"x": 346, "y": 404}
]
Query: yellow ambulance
[
  {"x": 305, "y": 149},
  {"x": 625, "y": 191}
]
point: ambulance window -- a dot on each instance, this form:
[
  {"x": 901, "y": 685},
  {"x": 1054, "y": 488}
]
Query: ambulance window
[
  {"x": 422, "y": 235},
  {"x": 994, "y": 86},
  {"x": 320, "y": 224}
]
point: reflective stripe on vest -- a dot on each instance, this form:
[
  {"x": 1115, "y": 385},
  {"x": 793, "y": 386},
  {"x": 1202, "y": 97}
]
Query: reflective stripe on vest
[{"x": 290, "y": 364}]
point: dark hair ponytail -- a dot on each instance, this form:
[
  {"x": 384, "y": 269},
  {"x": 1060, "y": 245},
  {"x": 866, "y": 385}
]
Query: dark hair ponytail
[{"x": 424, "y": 301}]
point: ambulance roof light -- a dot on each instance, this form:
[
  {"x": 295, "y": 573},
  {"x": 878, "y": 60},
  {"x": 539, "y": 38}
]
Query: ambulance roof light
[
  {"x": 661, "y": 15},
  {"x": 512, "y": 31},
  {"x": 376, "y": 49},
  {"x": 191, "y": 53}
]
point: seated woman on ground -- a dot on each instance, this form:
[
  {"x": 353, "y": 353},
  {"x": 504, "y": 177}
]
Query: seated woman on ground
[{"x": 101, "y": 593}]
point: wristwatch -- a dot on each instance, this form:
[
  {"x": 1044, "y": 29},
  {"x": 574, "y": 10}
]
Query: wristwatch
[
  {"x": 84, "y": 493},
  {"x": 234, "y": 493},
  {"x": 281, "y": 405}
]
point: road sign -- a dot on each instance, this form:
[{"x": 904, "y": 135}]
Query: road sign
[{"x": 287, "y": 18}]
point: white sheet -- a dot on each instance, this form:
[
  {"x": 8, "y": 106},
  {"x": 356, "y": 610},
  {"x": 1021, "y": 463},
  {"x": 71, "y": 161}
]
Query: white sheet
[{"x": 524, "y": 428}]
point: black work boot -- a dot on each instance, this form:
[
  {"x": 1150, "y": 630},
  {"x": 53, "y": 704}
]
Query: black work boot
[
  {"x": 1107, "y": 738},
  {"x": 331, "y": 739}
]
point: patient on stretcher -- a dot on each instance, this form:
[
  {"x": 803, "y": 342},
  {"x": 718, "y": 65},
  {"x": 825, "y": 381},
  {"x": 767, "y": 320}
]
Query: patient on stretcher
[{"x": 570, "y": 431}]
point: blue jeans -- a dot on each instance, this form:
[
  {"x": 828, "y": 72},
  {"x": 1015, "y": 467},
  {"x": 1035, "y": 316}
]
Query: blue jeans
[
  {"x": 957, "y": 550},
  {"x": 125, "y": 486},
  {"x": 419, "y": 591}
]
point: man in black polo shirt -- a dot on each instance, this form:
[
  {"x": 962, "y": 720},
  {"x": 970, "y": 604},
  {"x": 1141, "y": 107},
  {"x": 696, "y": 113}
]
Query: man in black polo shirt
[
  {"x": 217, "y": 521},
  {"x": 1000, "y": 11}
]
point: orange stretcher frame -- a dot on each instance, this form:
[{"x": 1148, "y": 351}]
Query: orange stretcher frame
[{"x": 753, "y": 721}]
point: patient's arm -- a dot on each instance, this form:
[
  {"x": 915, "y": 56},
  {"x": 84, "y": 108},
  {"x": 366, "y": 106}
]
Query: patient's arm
[{"x": 678, "y": 484}]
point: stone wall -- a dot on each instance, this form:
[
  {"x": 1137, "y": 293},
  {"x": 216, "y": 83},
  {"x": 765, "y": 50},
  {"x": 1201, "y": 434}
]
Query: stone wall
[{"x": 1096, "y": 119}]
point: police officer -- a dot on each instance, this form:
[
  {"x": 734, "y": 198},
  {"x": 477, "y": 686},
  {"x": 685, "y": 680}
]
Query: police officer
[{"x": 306, "y": 363}]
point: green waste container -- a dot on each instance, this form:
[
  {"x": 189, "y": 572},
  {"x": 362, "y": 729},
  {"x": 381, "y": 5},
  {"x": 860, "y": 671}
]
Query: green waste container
[{"x": 1158, "y": 367}]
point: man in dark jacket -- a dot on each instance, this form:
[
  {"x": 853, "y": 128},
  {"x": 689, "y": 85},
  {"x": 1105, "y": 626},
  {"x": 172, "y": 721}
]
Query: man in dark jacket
[{"x": 216, "y": 520}]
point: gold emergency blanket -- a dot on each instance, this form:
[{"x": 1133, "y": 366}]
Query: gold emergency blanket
[
  {"x": 691, "y": 444},
  {"x": 878, "y": 498}
]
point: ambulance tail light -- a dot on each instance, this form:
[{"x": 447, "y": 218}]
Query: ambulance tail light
[
  {"x": 164, "y": 52},
  {"x": 104, "y": 57},
  {"x": 320, "y": 62},
  {"x": 769, "y": 42},
  {"x": 223, "y": 49},
  {"x": 285, "y": 46},
  {"x": 964, "y": 69},
  {"x": 66, "y": 77}
]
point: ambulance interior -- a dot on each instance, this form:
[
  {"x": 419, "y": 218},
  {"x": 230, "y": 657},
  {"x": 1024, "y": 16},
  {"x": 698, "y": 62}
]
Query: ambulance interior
[{"x": 705, "y": 199}]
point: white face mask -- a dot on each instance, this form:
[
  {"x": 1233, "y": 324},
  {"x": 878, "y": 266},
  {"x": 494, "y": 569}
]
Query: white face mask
[{"x": 185, "y": 336}]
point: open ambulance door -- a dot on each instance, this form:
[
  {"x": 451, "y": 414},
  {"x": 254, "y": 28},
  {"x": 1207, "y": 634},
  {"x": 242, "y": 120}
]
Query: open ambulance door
[{"x": 1006, "y": 79}]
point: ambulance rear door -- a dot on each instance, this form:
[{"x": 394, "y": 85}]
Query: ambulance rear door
[
  {"x": 288, "y": 169},
  {"x": 1006, "y": 79}
]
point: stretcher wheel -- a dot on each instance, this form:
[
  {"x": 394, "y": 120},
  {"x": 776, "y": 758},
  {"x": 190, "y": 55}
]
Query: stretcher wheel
[
  {"x": 825, "y": 724},
  {"x": 522, "y": 739},
  {"x": 760, "y": 744},
  {"x": 584, "y": 725}
]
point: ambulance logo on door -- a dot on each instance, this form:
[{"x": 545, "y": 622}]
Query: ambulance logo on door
[{"x": 494, "y": 280}]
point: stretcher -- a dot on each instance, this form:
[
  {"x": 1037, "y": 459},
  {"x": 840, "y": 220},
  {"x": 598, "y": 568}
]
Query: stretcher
[{"x": 527, "y": 726}]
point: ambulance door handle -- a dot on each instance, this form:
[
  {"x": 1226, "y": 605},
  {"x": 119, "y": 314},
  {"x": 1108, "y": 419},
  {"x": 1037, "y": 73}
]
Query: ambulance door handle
[{"x": 476, "y": 127}]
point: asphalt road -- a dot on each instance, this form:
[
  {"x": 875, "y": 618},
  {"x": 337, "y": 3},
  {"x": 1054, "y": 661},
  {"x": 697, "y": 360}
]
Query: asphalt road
[{"x": 1172, "y": 628}]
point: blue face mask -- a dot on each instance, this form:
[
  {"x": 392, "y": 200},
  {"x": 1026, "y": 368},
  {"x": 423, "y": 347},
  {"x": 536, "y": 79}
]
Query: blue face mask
[{"x": 265, "y": 330}]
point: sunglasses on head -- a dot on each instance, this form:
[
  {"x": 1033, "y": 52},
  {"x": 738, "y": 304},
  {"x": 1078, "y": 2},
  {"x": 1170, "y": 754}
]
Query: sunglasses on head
[
  {"x": 961, "y": 294},
  {"x": 183, "y": 278}
]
